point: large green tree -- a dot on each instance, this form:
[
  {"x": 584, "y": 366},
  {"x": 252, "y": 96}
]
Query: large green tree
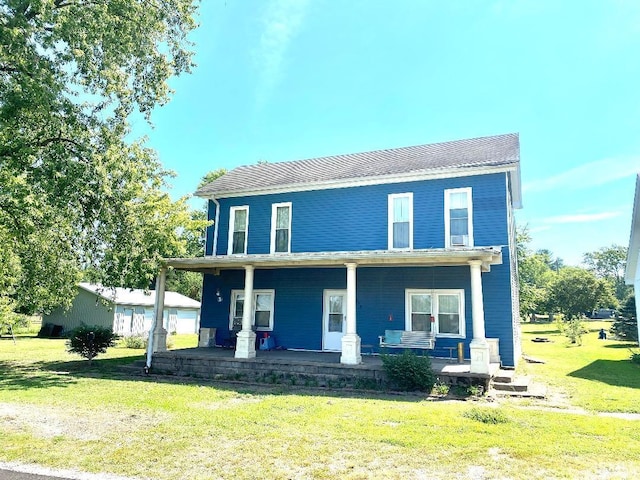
[
  {"x": 75, "y": 194},
  {"x": 610, "y": 263},
  {"x": 535, "y": 275},
  {"x": 190, "y": 283},
  {"x": 575, "y": 291}
]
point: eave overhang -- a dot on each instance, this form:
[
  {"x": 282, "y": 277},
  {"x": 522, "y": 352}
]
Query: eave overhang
[
  {"x": 367, "y": 258},
  {"x": 632, "y": 272},
  {"x": 512, "y": 168}
]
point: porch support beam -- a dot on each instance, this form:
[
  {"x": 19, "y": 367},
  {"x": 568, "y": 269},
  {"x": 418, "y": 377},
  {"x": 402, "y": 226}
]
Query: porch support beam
[
  {"x": 351, "y": 354},
  {"x": 246, "y": 339},
  {"x": 479, "y": 346},
  {"x": 157, "y": 341}
]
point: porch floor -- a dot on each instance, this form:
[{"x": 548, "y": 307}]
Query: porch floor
[{"x": 215, "y": 362}]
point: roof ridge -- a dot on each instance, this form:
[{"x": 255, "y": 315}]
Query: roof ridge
[{"x": 475, "y": 152}]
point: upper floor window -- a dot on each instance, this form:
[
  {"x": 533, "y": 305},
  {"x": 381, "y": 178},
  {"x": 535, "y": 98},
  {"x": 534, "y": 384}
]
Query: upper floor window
[
  {"x": 458, "y": 217},
  {"x": 238, "y": 229},
  {"x": 281, "y": 227},
  {"x": 262, "y": 314},
  {"x": 400, "y": 221}
]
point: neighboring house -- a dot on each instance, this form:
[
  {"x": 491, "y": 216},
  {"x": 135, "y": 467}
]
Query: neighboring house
[
  {"x": 126, "y": 311},
  {"x": 632, "y": 272},
  {"x": 328, "y": 253}
]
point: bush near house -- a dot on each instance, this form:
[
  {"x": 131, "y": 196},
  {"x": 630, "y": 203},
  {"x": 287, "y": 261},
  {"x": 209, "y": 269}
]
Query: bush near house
[
  {"x": 89, "y": 341},
  {"x": 409, "y": 372}
]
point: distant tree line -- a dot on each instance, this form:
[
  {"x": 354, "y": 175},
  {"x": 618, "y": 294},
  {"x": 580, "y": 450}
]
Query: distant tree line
[{"x": 548, "y": 287}]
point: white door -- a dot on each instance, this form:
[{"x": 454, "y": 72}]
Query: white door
[{"x": 334, "y": 319}]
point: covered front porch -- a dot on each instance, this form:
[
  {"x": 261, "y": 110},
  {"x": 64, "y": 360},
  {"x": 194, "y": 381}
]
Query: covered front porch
[{"x": 472, "y": 260}]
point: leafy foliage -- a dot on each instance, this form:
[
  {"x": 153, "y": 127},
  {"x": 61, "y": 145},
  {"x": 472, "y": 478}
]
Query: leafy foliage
[
  {"x": 134, "y": 341},
  {"x": 610, "y": 263},
  {"x": 409, "y": 372},
  {"x": 535, "y": 275},
  {"x": 89, "y": 341},
  {"x": 75, "y": 193},
  {"x": 575, "y": 291},
  {"x": 625, "y": 327},
  {"x": 572, "y": 329}
]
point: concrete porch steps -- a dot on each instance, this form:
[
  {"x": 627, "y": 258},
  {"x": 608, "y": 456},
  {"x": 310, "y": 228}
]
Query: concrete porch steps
[{"x": 508, "y": 383}]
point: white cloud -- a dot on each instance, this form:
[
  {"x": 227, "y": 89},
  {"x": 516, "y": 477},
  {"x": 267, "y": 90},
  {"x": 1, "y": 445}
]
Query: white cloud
[
  {"x": 581, "y": 218},
  {"x": 588, "y": 175},
  {"x": 282, "y": 20}
]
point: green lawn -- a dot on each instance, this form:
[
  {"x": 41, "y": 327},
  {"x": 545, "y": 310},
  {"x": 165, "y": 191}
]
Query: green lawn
[
  {"x": 596, "y": 375},
  {"x": 56, "y": 411}
]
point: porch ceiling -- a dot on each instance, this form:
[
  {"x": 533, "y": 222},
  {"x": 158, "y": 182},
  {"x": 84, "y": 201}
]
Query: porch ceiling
[{"x": 369, "y": 258}]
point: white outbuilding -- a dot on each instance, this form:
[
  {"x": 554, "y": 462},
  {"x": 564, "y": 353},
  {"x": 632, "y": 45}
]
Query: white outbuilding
[{"x": 126, "y": 311}]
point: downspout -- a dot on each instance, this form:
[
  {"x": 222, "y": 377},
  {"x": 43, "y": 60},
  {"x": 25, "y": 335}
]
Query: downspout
[
  {"x": 158, "y": 311},
  {"x": 215, "y": 227}
]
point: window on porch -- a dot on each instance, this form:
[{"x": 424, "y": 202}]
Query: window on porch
[
  {"x": 445, "y": 306},
  {"x": 400, "y": 215},
  {"x": 281, "y": 227},
  {"x": 262, "y": 315}
]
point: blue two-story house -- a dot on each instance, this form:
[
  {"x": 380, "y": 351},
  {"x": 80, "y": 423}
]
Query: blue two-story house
[{"x": 326, "y": 254}]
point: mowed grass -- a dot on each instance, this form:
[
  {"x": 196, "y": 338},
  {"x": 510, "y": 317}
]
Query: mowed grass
[
  {"x": 56, "y": 411},
  {"x": 596, "y": 375}
]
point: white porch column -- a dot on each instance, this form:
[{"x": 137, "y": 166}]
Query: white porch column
[
  {"x": 159, "y": 333},
  {"x": 479, "y": 346},
  {"x": 246, "y": 339},
  {"x": 351, "y": 341}
]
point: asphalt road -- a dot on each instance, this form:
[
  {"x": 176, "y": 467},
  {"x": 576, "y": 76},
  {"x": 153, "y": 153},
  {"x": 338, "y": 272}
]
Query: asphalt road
[
  {"x": 10, "y": 475},
  {"x": 43, "y": 474}
]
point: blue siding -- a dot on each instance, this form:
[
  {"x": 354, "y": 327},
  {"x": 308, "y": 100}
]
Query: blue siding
[
  {"x": 380, "y": 301},
  {"x": 346, "y": 219}
]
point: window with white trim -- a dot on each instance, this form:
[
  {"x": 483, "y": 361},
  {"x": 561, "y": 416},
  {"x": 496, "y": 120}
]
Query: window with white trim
[
  {"x": 400, "y": 217},
  {"x": 458, "y": 217},
  {"x": 262, "y": 315},
  {"x": 238, "y": 230},
  {"x": 281, "y": 227},
  {"x": 440, "y": 312}
]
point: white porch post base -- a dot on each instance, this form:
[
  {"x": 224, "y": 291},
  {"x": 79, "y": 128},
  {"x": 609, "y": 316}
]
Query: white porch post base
[
  {"x": 351, "y": 349},
  {"x": 479, "y": 356},
  {"x": 160, "y": 340},
  {"x": 246, "y": 344}
]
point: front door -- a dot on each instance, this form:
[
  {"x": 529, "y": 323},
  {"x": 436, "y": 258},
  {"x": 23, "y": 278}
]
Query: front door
[{"x": 334, "y": 319}]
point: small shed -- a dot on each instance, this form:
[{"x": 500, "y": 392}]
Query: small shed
[{"x": 126, "y": 311}]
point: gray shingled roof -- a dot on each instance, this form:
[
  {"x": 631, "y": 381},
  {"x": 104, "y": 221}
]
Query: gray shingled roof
[
  {"x": 495, "y": 151},
  {"x": 134, "y": 296}
]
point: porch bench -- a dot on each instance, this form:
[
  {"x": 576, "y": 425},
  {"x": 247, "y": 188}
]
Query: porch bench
[{"x": 407, "y": 339}]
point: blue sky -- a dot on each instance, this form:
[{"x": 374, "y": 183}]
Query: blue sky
[{"x": 284, "y": 80}]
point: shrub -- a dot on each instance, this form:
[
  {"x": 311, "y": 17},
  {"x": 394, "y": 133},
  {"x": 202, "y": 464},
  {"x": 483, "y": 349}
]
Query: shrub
[
  {"x": 491, "y": 416},
  {"x": 89, "y": 341},
  {"x": 142, "y": 341},
  {"x": 635, "y": 357},
  {"x": 475, "y": 390},
  {"x": 625, "y": 329},
  {"x": 409, "y": 372},
  {"x": 135, "y": 341},
  {"x": 573, "y": 330},
  {"x": 440, "y": 388}
]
